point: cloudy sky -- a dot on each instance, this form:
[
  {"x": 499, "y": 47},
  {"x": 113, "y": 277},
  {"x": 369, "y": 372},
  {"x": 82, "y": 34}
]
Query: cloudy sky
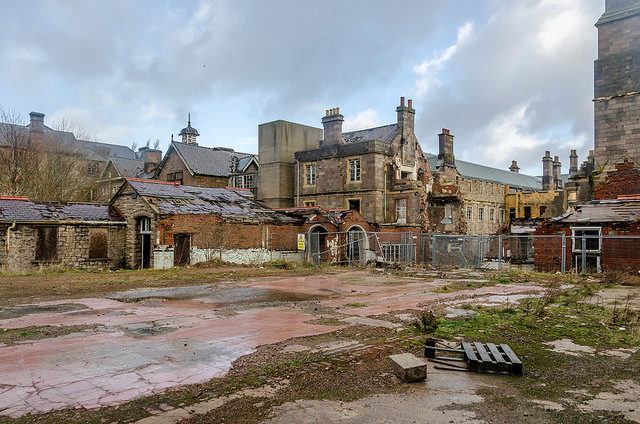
[{"x": 511, "y": 79}]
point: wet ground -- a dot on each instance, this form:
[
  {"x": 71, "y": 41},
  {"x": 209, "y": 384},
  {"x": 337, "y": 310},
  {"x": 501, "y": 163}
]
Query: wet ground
[{"x": 144, "y": 341}]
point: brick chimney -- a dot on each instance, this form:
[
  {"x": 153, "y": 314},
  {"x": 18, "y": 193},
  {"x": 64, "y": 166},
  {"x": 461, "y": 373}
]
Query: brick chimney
[
  {"x": 332, "y": 123},
  {"x": 514, "y": 167},
  {"x": 573, "y": 163},
  {"x": 151, "y": 158},
  {"x": 547, "y": 171},
  {"x": 557, "y": 173},
  {"x": 406, "y": 118},
  {"x": 445, "y": 149},
  {"x": 36, "y": 122}
]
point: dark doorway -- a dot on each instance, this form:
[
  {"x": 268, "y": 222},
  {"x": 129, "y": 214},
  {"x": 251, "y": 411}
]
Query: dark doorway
[
  {"x": 354, "y": 205},
  {"x": 182, "y": 252},
  {"x": 318, "y": 238},
  {"x": 144, "y": 231}
]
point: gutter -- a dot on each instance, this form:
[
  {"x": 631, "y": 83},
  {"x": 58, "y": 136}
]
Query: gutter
[{"x": 70, "y": 222}]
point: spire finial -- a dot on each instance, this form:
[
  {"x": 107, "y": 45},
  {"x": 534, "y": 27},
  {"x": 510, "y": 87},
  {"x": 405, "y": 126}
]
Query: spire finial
[{"x": 189, "y": 119}]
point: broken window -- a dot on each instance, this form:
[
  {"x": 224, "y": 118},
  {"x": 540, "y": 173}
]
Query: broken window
[
  {"x": 46, "y": 243},
  {"x": 175, "y": 176},
  {"x": 543, "y": 209},
  {"x": 309, "y": 203},
  {"x": 92, "y": 168},
  {"x": 591, "y": 236},
  {"x": 401, "y": 211},
  {"x": 354, "y": 170},
  {"x": 512, "y": 214},
  {"x": 527, "y": 212},
  {"x": 98, "y": 243},
  {"x": 310, "y": 175},
  {"x": 353, "y": 204}
]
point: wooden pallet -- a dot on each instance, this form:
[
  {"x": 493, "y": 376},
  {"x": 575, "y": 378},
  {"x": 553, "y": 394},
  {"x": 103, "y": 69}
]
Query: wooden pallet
[{"x": 478, "y": 357}]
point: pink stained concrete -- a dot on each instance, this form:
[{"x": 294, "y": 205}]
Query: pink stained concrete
[{"x": 97, "y": 370}]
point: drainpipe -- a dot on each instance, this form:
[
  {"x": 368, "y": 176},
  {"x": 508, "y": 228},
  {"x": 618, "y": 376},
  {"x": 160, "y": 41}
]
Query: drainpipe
[
  {"x": 384, "y": 195},
  {"x": 9, "y": 228},
  {"x": 297, "y": 180}
]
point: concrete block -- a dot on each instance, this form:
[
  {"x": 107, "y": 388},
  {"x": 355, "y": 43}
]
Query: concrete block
[{"x": 408, "y": 367}]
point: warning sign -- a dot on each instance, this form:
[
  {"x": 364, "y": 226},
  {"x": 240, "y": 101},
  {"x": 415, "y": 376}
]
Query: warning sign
[{"x": 300, "y": 241}]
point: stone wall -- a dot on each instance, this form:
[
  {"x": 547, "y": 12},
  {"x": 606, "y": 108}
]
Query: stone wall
[{"x": 72, "y": 248}]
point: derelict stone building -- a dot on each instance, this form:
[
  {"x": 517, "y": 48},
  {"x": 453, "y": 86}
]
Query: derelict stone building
[{"x": 617, "y": 84}]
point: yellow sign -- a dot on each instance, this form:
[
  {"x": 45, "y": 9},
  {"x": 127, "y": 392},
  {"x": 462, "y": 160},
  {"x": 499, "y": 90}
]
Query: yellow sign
[{"x": 300, "y": 241}]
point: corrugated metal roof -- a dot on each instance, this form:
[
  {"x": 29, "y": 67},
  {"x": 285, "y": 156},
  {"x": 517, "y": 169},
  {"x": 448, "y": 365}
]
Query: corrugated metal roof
[
  {"x": 604, "y": 211},
  {"x": 384, "y": 133},
  {"x": 207, "y": 160},
  {"x": 184, "y": 200},
  {"x": 27, "y": 210},
  {"x": 486, "y": 173}
]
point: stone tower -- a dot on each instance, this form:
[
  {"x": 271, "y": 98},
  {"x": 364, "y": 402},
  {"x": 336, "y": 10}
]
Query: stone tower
[{"x": 617, "y": 84}]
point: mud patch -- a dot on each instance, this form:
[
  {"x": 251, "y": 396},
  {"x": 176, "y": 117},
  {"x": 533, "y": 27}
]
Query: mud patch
[
  {"x": 20, "y": 311},
  {"x": 216, "y": 296}
]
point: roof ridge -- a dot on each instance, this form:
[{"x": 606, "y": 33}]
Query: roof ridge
[{"x": 372, "y": 128}]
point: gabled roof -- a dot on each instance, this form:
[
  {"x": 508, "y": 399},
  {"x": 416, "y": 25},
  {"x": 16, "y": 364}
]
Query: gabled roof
[
  {"x": 244, "y": 163},
  {"x": 212, "y": 161},
  {"x": 128, "y": 167},
  {"x": 170, "y": 198},
  {"x": 486, "y": 173},
  {"x": 384, "y": 133},
  {"x": 22, "y": 209},
  {"x": 603, "y": 211}
]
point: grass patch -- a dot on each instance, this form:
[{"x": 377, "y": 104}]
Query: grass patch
[
  {"x": 356, "y": 305},
  {"x": 16, "y": 335}
]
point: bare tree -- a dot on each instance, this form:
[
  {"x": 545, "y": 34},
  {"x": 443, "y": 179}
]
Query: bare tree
[{"x": 19, "y": 155}]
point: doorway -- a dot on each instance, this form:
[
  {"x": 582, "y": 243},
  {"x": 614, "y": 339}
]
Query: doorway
[
  {"x": 182, "y": 251},
  {"x": 318, "y": 238},
  {"x": 144, "y": 232}
]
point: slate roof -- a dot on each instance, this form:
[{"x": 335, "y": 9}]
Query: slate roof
[
  {"x": 486, "y": 173},
  {"x": 21, "y": 209},
  {"x": 128, "y": 167},
  {"x": 201, "y": 160},
  {"x": 168, "y": 198},
  {"x": 92, "y": 149},
  {"x": 603, "y": 211},
  {"x": 384, "y": 133}
]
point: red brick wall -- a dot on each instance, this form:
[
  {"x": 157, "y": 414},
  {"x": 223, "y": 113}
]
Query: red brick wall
[
  {"x": 548, "y": 250},
  {"x": 625, "y": 180}
]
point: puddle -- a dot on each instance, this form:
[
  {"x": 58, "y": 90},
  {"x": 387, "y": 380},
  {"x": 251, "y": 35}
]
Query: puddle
[
  {"x": 216, "y": 296},
  {"x": 20, "y": 311}
]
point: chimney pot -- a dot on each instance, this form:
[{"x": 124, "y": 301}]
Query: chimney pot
[
  {"x": 401, "y": 101},
  {"x": 410, "y": 104}
]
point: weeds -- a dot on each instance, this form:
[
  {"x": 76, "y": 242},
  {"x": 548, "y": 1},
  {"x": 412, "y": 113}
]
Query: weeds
[{"x": 427, "y": 323}]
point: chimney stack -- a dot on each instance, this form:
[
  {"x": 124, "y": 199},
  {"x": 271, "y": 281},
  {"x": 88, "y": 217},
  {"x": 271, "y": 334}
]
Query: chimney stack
[
  {"x": 406, "y": 118},
  {"x": 332, "y": 123},
  {"x": 36, "y": 122},
  {"x": 151, "y": 158},
  {"x": 547, "y": 171},
  {"x": 445, "y": 149},
  {"x": 573, "y": 163},
  {"x": 557, "y": 173},
  {"x": 514, "y": 167}
]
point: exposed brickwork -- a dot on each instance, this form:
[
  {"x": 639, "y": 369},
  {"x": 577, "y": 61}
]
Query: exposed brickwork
[{"x": 625, "y": 180}]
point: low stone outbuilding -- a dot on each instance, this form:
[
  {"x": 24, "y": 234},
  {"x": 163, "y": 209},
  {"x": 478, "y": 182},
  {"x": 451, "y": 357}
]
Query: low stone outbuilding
[
  {"x": 173, "y": 225},
  {"x": 36, "y": 235}
]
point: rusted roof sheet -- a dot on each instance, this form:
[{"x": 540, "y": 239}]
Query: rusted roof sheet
[
  {"x": 22, "y": 209},
  {"x": 603, "y": 211},
  {"x": 172, "y": 199}
]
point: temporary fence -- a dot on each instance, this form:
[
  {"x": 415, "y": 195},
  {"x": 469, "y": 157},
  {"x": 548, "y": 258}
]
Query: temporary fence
[{"x": 580, "y": 252}]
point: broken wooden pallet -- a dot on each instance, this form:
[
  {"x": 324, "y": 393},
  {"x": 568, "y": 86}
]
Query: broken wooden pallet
[{"x": 478, "y": 357}]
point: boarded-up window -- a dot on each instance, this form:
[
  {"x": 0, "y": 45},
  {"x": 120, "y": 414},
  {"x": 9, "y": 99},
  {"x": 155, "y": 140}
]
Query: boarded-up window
[
  {"x": 46, "y": 243},
  {"x": 98, "y": 243}
]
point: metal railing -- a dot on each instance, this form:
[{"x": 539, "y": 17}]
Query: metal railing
[{"x": 581, "y": 252}]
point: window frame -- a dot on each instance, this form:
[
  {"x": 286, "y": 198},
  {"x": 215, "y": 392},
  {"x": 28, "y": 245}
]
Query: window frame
[
  {"x": 355, "y": 172},
  {"x": 310, "y": 171}
]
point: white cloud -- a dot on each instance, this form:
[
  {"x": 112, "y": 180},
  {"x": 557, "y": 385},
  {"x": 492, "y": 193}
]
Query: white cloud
[
  {"x": 428, "y": 71},
  {"x": 365, "y": 119}
]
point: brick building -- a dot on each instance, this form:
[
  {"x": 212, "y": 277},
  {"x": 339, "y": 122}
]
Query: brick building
[
  {"x": 617, "y": 84},
  {"x": 215, "y": 167},
  {"x": 37, "y": 235},
  {"x": 169, "y": 224}
]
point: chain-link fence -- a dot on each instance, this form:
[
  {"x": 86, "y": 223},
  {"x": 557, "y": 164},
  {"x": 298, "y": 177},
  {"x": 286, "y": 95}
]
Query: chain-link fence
[{"x": 582, "y": 251}]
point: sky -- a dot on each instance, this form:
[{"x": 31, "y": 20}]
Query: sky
[{"x": 510, "y": 79}]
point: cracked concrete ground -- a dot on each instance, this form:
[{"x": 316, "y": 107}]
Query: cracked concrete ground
[{"x": 146, "y": 341}]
